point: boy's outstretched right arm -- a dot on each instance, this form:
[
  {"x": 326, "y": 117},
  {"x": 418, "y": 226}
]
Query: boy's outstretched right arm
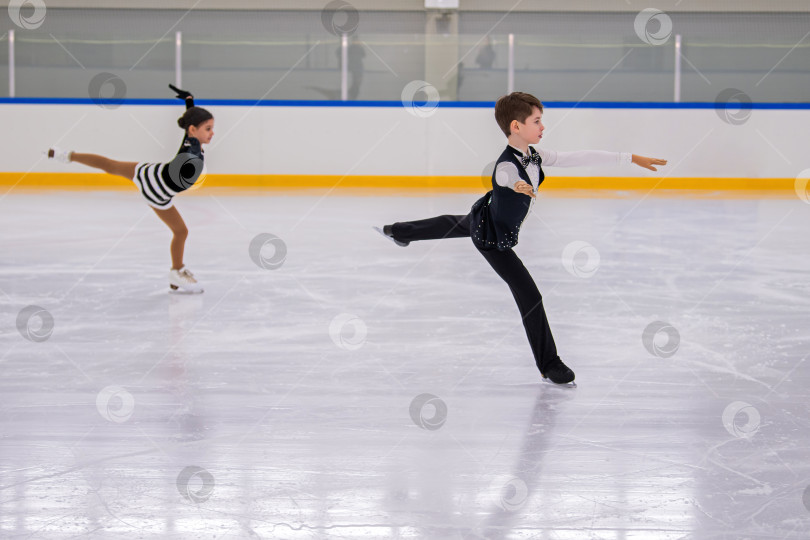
[
  {"x": 524, "y": 187},
  {"x": 506, "y": 175}
]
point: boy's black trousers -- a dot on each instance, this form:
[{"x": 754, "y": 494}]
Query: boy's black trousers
[{"x": 507, "y": 264}]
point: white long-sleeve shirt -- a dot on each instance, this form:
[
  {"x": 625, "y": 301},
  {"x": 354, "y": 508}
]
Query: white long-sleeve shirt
[{"x": 506, "y": 174}]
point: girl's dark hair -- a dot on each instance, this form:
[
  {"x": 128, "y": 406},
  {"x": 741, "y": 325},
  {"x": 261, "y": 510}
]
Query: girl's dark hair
[{"x": 194, "y": 116}]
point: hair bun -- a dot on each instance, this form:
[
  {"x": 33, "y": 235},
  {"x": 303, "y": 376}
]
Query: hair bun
[{"x": 194, "y": 116}]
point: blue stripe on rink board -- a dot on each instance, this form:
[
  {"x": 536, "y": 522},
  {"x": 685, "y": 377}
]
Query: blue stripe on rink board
[{"x": 441, "y": 104}]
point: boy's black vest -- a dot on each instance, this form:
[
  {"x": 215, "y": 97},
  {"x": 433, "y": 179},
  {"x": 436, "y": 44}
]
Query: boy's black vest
[{"x": 496, "y": 217}]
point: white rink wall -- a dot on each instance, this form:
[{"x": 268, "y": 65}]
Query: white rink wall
[{"x": 390, "y": 141}]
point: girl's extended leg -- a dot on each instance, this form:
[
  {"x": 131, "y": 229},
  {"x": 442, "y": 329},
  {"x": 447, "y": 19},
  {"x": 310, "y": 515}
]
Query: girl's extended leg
[
  {"x": 110, "y": 166},
  {"x": 172, "y": 218}
]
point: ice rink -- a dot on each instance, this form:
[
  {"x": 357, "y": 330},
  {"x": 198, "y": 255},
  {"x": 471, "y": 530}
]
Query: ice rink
[{"x": 332, "y": 385}]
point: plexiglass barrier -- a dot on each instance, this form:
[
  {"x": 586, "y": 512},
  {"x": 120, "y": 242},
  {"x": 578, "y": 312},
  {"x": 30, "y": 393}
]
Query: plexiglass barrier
[{"x": 122, "y": 54}]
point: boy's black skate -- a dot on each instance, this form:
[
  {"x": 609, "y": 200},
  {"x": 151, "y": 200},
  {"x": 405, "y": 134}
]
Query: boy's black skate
[
  {"x": 560, "y": 374},
  {"x": 388, "y": 233}
]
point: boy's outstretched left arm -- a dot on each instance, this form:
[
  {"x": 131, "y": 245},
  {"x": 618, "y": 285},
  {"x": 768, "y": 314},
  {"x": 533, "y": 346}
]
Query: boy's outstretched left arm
[
  {"x": 591, "y": 158},
  {"x": 647, "y": 162}
]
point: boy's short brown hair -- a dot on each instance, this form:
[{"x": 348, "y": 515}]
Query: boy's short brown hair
[{"x": 515, "y": 106}]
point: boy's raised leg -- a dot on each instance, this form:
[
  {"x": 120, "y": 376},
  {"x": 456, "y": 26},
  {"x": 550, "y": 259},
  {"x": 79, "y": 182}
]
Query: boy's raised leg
[{"x": 436, "y": 228}]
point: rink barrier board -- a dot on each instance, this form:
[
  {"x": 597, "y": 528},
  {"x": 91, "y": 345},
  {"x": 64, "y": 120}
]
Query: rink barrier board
[
  {"x": 358, "y": 185},
  {"x": 699, "y": 175}
]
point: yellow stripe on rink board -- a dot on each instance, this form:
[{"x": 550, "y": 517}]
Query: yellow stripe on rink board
[{"x": 414, "y": 185}]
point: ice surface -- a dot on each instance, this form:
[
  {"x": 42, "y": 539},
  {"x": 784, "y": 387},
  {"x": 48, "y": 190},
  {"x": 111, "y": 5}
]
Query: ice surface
[{"x": 289, "y": 401}]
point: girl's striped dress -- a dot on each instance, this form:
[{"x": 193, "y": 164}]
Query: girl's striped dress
[{"x": 160, "y": 182}]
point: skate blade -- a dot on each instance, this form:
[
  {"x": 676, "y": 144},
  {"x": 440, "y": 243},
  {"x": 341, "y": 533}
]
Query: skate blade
[
  {"x": 180, "y": 291},
  {"x": 397, "y": 242},
  {"x": 571, "y": 384}
]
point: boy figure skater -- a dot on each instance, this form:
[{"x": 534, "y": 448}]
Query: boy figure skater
[{"x": 494, "y": 222}]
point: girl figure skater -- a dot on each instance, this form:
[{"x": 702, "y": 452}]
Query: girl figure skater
[
  {"x": 160, "y": 182},
  {"x": 494, "y": 222}
]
